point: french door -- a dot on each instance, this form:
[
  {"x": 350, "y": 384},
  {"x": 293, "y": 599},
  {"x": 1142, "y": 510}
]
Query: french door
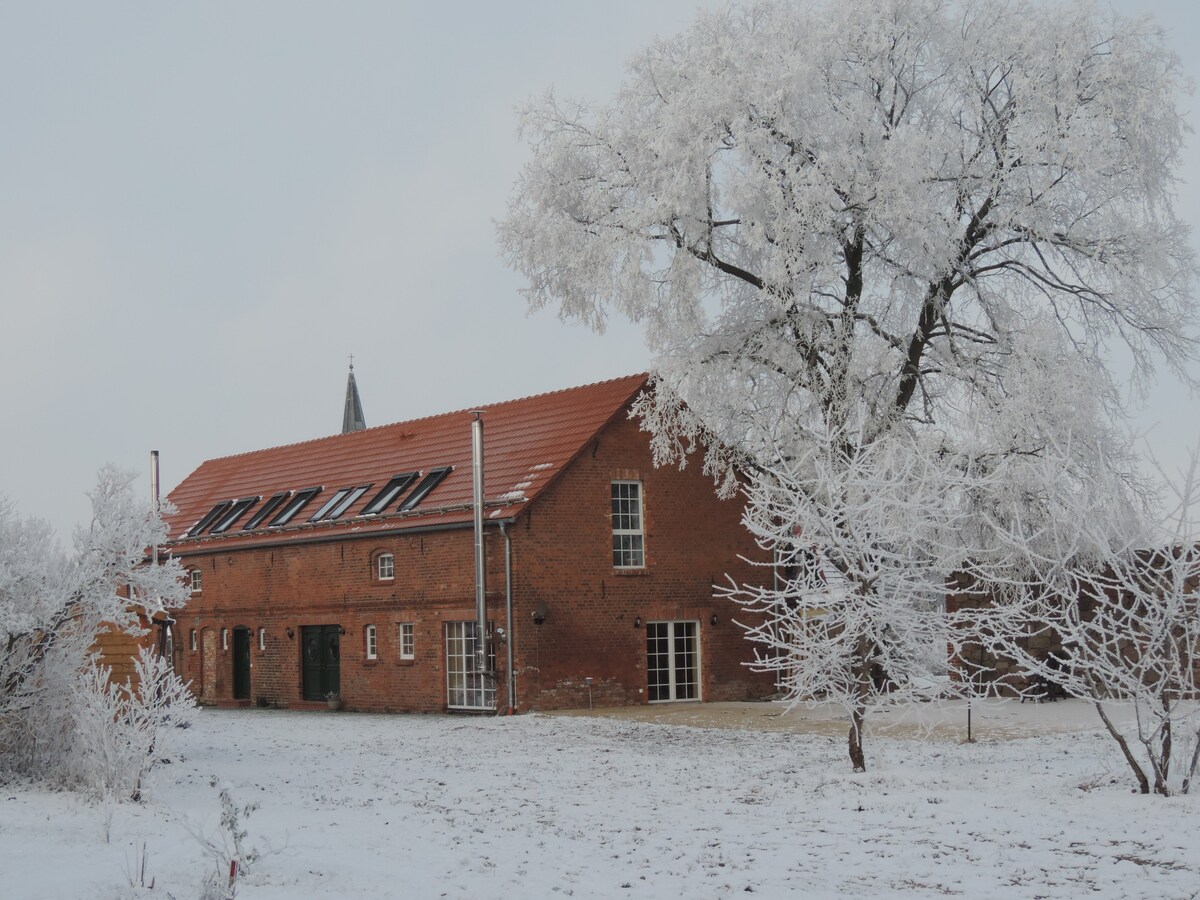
[
  {"x": 466, "y": 688},
  {"x": 673, "y": 661}
]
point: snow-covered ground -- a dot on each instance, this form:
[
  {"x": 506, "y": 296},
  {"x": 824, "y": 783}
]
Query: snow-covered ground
[{"x": 550, "y": 806}]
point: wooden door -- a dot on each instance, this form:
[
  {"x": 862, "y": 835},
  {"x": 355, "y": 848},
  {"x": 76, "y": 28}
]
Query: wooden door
[
  {"x": 320, "y": 647},
  {"x": 241, "y": 663}
]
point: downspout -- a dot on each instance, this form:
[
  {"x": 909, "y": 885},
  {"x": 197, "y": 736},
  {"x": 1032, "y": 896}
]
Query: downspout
[
  {"x": 508, "y": 617},
  {"x": 156, "y": 505},
  {"x": 481, "y": 637}
]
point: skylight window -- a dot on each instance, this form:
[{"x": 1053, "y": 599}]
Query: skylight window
[
  {"x": 323, "y": 512},
  {"x": 297, "y": 503},
  {"x": 267, "y": 508},
  {"x": 340, "y": 510},
  {"x": 428, "y": 483},
  {"x": 337, "y": 505},
  {"x": 213, "y": 514},
  {"x": 390, "y": 494},
  {"x": 236, "y": 511}
]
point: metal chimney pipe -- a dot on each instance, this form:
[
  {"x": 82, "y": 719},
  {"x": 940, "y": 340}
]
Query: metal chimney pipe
[
  {"x": 154, "y": 499},
  {"x": 481, "y": 655}
]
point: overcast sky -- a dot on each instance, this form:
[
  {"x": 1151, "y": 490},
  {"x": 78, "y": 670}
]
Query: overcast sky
[{"x": 206, "y": 208}]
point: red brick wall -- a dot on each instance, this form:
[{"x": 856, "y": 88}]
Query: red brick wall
[
  {"x": 562, "y": 556},
  {"x": 562, "y": 550}
]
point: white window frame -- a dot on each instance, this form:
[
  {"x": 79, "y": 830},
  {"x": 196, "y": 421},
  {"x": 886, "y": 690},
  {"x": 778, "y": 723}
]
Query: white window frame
[
  {"x": 385, "y": 561},
  {"x": 224, "y": 638},
  {"x": 197, "y": 578},
  {"x": 372, "y": 642},
  {"x": 628, "y": 525},
  {"x": 466, "y": 688},
  {"x": 192, "y": 640},
  {"x": 676, "y": 689},
  {"x": 262, "y": 639},
  {"x": 408, "y": 644}
]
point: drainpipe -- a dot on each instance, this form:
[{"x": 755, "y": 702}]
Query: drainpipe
[
  {"x": 481, "y": 654},
  {"x": 508, "y": 617},
  {"x": 156, "y": 505}
]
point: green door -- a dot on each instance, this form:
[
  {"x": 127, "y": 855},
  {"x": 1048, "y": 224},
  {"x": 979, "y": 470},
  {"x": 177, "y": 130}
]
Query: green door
[
  {"x": 321, "y": 666},
  {"x": 241, "y": 663}
]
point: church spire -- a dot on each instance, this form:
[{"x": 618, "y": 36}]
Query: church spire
[{"x": 352, "y": 418}]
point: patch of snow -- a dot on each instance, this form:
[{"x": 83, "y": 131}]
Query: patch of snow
[{"x": 353, "y": 805}]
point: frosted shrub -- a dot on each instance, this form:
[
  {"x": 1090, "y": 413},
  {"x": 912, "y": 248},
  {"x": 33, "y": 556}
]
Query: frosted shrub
[
  {"x": 60, "y": 719},
  {"x": 122, "y": 732}
]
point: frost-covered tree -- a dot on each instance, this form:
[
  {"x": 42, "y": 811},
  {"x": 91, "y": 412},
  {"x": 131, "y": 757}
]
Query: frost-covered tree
[
  {"x": 882, "y": 251},
  {"x": 59, "y": 719},
  {"x": 1123, "y": 633}
]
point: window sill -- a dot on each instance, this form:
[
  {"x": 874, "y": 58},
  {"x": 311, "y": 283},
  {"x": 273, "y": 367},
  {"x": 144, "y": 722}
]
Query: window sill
[
  {"x": 370, "y": 662},
  {"x": 405, "y": 662},
  {"x": 622, "y": 573}
]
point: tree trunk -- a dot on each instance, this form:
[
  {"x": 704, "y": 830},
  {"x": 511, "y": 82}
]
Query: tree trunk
[
  {"x": 1143, "y": 782},
  {"x": 1163, "y": 769},
  {"x": 857, "y": 760},
  {"x": 858, "y": 709}
]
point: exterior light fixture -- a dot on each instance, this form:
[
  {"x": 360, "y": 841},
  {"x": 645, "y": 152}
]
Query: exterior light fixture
[
  {"x": 291, "y": 633},
  {"x": 713, "y": 620},
  {"x": 637, "y": 622}
]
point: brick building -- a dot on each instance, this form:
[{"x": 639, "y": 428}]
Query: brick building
[{"x": 345, "y": 566}]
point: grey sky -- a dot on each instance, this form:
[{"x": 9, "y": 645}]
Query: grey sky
[{"x": 207, "y": 207}]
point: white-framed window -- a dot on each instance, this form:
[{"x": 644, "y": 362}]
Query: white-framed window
[
  {"x": 385, "y": 566},
  {"x": 407, "y": 644},
  {"x": 372, "y": 643},
  {"x": 672, "y": 661},
  {"x": 192, "y": 640},
  {"x": 629, "y": 550},
  {"x": 262, "y": 639},
  {"x": 224, "y": 638},
  {"x": 197, "y": 580},
  {"x": 467, "y": 688}
]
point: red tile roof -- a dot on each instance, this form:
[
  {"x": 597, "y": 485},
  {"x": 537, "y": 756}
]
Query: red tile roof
[{"x": 527, "y": 443}]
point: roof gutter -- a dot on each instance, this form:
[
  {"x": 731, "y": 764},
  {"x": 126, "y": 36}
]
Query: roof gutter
[{"x": 291, "y": 540}]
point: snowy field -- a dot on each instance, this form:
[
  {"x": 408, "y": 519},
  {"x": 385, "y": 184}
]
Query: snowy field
[{"x": 554, "y": 806}]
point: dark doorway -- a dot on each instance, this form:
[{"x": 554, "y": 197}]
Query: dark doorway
[
  {"x": 241, "y": 663},
  {"x": 321, "y": 669}
]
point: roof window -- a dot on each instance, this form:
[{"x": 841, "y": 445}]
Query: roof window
[
  {"x": 236, "y": 511},
  {"x": 213, "y": 514},
  {"x": 428, "y": 483},
  {"x": 390, "y": 494},
  {"x": 337, "y": 505},
  {"x": 297, "y": 503},
  {"x": 267, "y": 508}
]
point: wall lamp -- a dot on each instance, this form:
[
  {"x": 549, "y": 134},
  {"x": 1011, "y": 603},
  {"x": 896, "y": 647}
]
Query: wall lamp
[
  {"x": 713, "y": 620},
  {"x": 291, "y": 633},
  {"x": 637, "y": 622}
]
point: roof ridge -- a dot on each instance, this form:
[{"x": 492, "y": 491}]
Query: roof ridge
[{"x": 466, "y": 409}]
